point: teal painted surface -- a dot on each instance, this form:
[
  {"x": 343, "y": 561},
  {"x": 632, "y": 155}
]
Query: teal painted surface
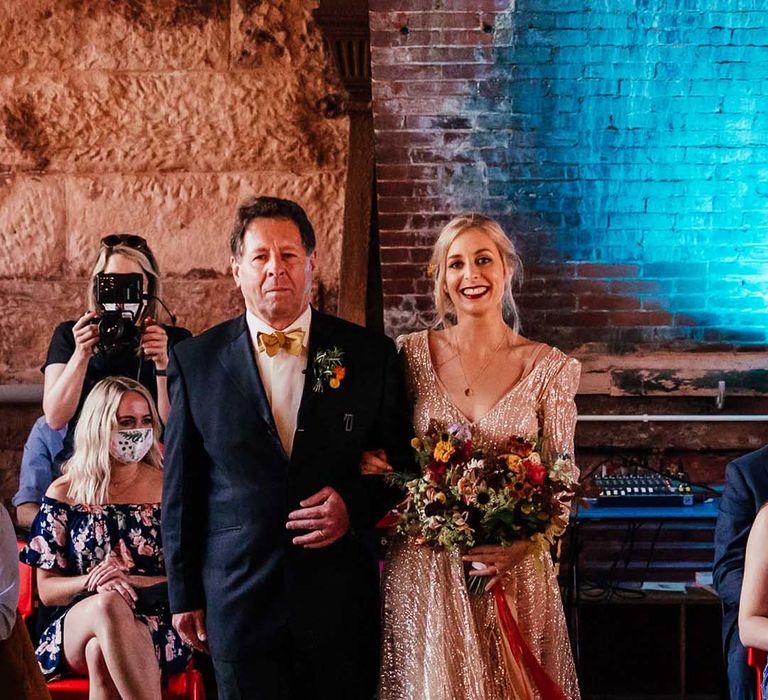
[{"x": 623, "y": 132}]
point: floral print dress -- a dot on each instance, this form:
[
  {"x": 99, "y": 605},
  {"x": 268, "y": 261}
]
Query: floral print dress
[{"x": 72, "y": 539}]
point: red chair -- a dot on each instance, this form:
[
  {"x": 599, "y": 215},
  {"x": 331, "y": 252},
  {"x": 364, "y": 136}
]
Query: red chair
[
  {"x": 757, "y": 658},
  {"x": 26, "y": 588},
  {"x": 183, "y": 686}
]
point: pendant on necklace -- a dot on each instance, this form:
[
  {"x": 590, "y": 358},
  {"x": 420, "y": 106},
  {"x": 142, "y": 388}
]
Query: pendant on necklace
[{"x": 467, "y": 392}]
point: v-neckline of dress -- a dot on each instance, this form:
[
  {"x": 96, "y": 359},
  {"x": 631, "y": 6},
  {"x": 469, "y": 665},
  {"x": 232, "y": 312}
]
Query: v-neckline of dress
[{"x": 447, "y": 397}]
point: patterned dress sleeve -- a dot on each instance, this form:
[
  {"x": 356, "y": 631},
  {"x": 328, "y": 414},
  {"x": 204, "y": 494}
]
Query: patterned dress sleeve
[
  {"x": 48, "y": 543},
  {"x": 558, "y": 410}
]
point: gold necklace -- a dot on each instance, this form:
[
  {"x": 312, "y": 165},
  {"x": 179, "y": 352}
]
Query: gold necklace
[{"x": 468, "y": 390}]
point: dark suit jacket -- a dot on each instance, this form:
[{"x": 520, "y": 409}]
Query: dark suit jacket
[
  {"x": 746, "y": 490},
  {"x": 229, "y": 486}
]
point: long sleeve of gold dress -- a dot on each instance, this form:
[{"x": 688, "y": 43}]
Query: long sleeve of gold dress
[{"x": 440, "y": 642}]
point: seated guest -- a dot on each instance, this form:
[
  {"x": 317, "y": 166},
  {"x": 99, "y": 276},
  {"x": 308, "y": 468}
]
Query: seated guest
[
  {"x": 753, "y": 606},
  {"x": 746, "y": 489},
  {"x": 96, "y": 543},
  {"x": 38, "y": 469},
  {"x": 19, "y": 675}
]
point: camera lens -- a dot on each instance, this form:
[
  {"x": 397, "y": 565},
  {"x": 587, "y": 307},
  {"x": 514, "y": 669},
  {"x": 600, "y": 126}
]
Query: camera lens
[
  {"x": 117, "y": 332},
  {"x": 112, "y": 327}
]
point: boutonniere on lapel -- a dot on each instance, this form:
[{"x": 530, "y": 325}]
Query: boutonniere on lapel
[{"x": 328, "y": 368}]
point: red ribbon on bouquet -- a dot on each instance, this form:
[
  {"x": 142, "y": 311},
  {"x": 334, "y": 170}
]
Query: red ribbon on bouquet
[{"x": 548, "y": 689}]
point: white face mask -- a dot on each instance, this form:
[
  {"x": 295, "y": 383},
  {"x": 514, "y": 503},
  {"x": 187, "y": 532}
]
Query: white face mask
[{"x": 130, "y": 445}]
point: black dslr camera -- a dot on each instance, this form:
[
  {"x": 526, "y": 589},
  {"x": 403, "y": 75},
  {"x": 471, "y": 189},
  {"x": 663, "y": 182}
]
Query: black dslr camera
[{"x": 119, "y": 303}]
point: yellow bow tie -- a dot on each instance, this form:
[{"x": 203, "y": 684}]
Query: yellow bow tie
[{"x": 271, "y": 343}]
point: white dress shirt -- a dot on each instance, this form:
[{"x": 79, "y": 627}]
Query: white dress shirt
[{"x": 282, "y": 375}]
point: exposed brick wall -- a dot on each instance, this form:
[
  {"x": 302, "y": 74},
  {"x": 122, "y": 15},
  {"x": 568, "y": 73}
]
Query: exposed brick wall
[{"x": 623, "y": 145}]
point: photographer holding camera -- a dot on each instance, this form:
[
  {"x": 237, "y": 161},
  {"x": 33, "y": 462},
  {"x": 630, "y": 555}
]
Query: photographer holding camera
[{"x": 118, "y": 335}]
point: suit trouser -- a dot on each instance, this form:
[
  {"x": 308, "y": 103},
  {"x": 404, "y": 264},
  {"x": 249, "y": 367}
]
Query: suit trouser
[{"x": 290, "y": 672}]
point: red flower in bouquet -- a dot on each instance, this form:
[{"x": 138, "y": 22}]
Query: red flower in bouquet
[
  {"x": 436, "y": 470},
  {"x": 520, "y": 446},
  {"x": 536, "y": 472}
]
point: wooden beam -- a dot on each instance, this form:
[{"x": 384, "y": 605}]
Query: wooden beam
[
  {"x": 345, "y": 26},
  {"x": 674, "y": 374}
]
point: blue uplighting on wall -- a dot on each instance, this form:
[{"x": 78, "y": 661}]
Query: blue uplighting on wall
[{"x": 635, "y": 132}]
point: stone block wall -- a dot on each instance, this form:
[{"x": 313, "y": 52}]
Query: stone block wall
[
  {"x": 623, "y": 145},
  {"x": 154, "y": 118}
]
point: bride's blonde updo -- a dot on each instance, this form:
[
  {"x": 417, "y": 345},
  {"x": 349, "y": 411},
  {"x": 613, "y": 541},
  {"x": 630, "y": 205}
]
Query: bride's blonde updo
[{"x": 513, "y": 266}]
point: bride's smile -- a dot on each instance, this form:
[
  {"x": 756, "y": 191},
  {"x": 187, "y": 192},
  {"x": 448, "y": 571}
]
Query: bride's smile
[{"x": 475, "y": 274}]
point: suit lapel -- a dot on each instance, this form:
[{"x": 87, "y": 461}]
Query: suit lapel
[{"x": 239, "y": 362}]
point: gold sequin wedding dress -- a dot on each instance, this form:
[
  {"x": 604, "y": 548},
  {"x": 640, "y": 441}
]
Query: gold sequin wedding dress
[{"x": 439, "y": 642}]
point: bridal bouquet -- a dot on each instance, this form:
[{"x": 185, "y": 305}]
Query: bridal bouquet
[{"x": 467, "y": 497}]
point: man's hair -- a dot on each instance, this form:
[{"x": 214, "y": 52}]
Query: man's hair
[{"x": 270, "y": 208}]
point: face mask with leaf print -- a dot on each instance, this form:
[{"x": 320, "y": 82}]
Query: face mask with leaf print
[{"x": 130, "y": 445}]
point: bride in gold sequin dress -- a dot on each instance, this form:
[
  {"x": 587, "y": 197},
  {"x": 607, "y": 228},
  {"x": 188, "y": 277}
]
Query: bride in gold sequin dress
[{"x": 440, "y": 642}]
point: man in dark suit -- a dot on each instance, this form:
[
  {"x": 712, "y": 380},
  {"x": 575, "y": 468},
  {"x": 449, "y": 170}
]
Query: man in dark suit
[
  {"x": 264, "y": 505},
  {"x": 746, "y": 490}
]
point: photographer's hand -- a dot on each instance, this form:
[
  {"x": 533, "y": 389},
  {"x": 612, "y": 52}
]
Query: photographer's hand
[
  {"x": 86, "y": 336},
  {"x": 154, "y": 343}
]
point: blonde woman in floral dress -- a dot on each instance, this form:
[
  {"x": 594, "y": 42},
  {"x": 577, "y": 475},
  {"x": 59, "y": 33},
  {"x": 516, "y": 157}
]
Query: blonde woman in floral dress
[
  {"x": 440, "y": 642},
  {"x": 96, "y": 545}
]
